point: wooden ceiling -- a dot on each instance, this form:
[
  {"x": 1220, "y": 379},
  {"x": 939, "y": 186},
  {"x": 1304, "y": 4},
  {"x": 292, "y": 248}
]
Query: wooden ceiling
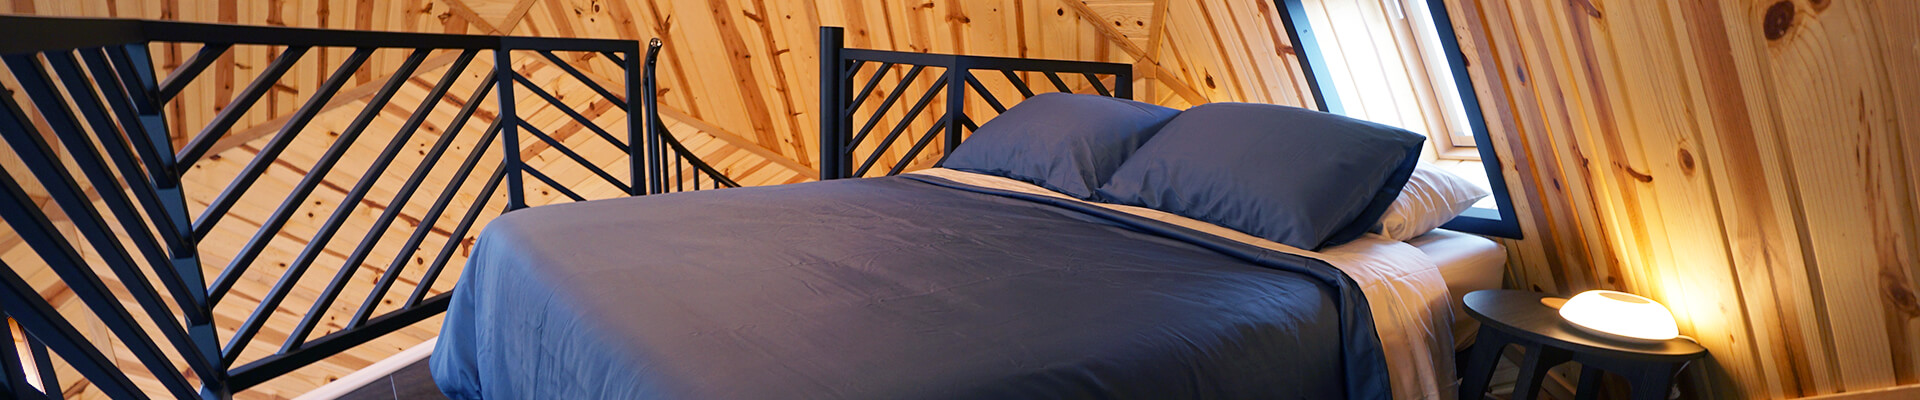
[{"x": 737, "y": 85}]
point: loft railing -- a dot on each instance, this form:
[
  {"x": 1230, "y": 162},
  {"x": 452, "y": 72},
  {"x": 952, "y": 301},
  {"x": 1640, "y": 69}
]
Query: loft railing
[
  {"x": 166, "y": 244},
  {"x": 846, "y": 153}
]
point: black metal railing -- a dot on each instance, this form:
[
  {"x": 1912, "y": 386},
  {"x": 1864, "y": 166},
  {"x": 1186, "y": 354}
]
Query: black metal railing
[
  {"x": 97, "y": 186},
  {"x": 844, "y": 150}
]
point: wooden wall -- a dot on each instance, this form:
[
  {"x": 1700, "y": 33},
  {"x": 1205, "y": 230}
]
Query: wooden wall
[
  {"x": 1750, "y": 163},
  {"x": 738, "y": 86}
]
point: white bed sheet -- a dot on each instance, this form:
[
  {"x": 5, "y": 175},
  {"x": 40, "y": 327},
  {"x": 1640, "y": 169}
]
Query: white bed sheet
[
  {"x": 1412, "y": 309},
  {"x": 1468, "y": 263}
]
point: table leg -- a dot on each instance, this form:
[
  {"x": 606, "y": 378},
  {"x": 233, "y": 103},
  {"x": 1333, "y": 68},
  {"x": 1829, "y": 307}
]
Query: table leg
[
  {"x": 1652, "y": 383},
  {"x": 1589, "y": 383},
  {"x": 1540, "y": 358},
  {"x": 1481, "y": 360}
]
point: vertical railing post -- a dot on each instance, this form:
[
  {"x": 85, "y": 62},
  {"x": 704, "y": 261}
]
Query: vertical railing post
[
  {"x": 639, "y": 125},
  {"x": 185, "y": 255},
  {"x": 833, "y": 117},
  {"x": 649, "y": 92},
  {"x": 503, "y": 74},
  {"x": 1123, "y": 84},
  {"x": 957, "y": 75}
]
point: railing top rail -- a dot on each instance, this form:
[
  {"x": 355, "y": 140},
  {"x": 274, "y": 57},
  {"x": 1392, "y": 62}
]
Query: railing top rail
[
  {"x": 30, "y": 34},
  {"x": 984, "y": 62}
]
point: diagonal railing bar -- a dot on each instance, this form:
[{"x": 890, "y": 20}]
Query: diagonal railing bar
[
  {"x": 94, "y": 168},
  {"x": 1098, "y": 85},
  {"x": 615, "y": 58},
  {"x": 223, "y": 121},
  {"x": 59, "y": 182},
  {"x": 192, "y": 68},
  {"x": 881, "y": 111},
  {"x": 123, "y": 157},
  {"x": 1021, "y": 84},
  {"x": 902, "y": 126},
  {"x": 406, "y": 195},
  {"x": 258, "y": 166},
  {"x": 39, "y": 233},
  {"x": 224, "y": 202},
  {"x": 291, "y": 276},
  {"x": 919, "y": 145},
  {"x": 553, "y": 184},
  {"x": 432, "y": 218},
  {"x": 117, "y": 99},
  {"x": 136, "y": 76},
  {"x": 986, "y": 94},
  {"x": 454, "y": 239},
  {"x": 584, "y": 80},
  {"x": 1058, "y": 84},
  {"x": 19, "y": 301},
  {"x": 367, "y": 180},
  {"x": 867, "y": 89},
  {"x": 854, "y": 66},
  {"x": 564, "y": 108},
  {"x": 564, "y": 150}
]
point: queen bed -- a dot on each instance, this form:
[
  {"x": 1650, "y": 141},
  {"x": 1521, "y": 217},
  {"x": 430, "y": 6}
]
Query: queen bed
[{"x": 1075, "y": 247}]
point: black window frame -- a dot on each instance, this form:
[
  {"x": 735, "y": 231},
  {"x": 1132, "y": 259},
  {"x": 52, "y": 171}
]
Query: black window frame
[{"x": 1501, "y": 222}]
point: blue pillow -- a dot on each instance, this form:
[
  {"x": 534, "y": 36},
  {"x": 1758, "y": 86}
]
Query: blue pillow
[
  {"x": 1302, "y": 178},
  {"x": 1068, "y": 143}
]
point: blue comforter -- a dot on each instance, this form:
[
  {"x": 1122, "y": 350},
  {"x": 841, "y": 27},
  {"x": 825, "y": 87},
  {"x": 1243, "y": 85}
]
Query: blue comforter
[{"x": 891, "y": 288}]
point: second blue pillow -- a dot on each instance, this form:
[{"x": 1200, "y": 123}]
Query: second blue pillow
[{"x": 1302, "y": 178}]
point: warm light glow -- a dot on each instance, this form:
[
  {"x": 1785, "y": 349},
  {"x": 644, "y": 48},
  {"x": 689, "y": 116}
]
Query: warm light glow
[{"x": 1620, "y": 315}]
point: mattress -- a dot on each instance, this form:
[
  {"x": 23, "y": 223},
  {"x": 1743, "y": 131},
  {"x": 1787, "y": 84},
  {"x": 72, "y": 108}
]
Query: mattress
[
  {"x": 1468, "y": 263},
  {"x": 904, "y": 287}
]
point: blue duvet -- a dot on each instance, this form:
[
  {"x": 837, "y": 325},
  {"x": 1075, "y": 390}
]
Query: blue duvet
[{"x": 891, "y": 288}]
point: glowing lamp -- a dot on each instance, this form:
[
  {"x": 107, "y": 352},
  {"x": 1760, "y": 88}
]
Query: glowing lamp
[{"x": 1620, "y": 315}]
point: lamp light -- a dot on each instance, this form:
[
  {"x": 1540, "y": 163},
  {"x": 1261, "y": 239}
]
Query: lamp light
[{"x": 1620, "y": 315}]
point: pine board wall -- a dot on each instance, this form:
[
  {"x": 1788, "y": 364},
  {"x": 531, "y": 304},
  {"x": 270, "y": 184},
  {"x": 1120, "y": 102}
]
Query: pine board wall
[{"x": 1750, "y": 163}]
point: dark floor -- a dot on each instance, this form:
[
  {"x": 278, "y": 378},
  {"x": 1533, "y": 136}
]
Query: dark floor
[{"x": 412, "y": 382}]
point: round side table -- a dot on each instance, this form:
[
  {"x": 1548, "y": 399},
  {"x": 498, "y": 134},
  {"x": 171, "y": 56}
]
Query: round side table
[{"x": 1519, "y": 318}]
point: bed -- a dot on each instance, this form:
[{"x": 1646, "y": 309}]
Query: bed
[
  {"x": 564, "y": 317},
  {"x": 954, "y": 283}
]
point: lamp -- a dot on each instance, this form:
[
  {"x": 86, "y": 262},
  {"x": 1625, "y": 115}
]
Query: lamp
[{"x": 1620, "y": 315}]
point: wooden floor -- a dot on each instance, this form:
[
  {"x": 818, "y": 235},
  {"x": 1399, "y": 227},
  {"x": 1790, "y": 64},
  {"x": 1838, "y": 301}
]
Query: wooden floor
[{"x": 412, "y": 382}]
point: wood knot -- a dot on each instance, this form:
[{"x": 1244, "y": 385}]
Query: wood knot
[
  {"x": 1210, "y": 82},
  {"x": 1778, "y": 20},
  {"x": 1686, "y": 161},
  {"x": 1893, "y": 286}
]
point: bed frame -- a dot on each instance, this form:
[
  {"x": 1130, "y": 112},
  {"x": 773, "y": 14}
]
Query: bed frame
[{"x": 844, "y": 152}]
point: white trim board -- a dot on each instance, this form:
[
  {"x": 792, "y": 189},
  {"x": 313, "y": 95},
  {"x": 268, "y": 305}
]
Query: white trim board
[{"x": 383, "y": 368}]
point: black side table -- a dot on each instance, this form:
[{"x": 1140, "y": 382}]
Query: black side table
[{"x": 1517, "y": 317}]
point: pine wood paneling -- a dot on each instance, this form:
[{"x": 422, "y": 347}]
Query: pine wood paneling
[{"x": 1741, "y": 161}]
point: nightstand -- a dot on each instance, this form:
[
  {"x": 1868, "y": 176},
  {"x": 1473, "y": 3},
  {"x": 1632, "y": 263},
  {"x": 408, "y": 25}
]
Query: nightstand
[{"x": 1519, "y": 318}]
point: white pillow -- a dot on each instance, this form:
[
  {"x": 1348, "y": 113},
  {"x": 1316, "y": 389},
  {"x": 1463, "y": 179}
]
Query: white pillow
[{"x": 1433, "y": 196}]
